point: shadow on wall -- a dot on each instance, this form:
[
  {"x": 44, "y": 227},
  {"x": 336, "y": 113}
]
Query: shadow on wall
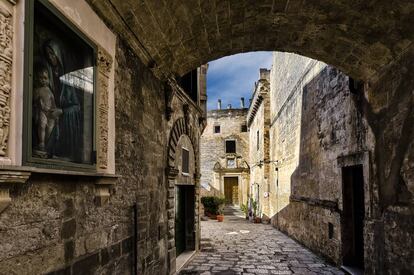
[{"x": 329, "y": 126}]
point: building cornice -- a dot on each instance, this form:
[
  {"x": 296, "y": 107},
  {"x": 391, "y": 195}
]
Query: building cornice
[{"x": 262, "y": 90}]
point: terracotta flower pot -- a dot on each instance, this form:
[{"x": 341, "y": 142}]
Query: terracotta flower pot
[{"x": 220, "y": 218}]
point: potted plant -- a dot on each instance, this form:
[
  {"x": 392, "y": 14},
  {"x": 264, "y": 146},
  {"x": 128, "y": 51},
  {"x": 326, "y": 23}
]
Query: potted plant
[
  {"x": 220, "y": 216},
  {"x": 220, "y": 205},
  {"x": 212, "y": 206},
  {"x": 245, "y": 210},
  {"x": 256, "y": 218}
]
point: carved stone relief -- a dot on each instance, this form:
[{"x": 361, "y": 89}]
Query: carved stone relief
[
  {"x": 104, "y": 69},
  {"x": 6, "y": 55}
]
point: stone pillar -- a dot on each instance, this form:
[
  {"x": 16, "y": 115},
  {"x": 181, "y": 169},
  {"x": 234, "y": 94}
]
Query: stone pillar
[
  {"x": 242, "y": 102},
  {"x": 6, "y": 65},
  {"x": 219, "y": 104},
  {"x": 171, "y": 174}
]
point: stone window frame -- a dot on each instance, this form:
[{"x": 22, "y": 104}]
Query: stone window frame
[
  {"x": 13, "y": 173},
  {"x": 182, "y": 161},
  {"x": 98, "y": 115},
  {"x": 235, "y": 145},
  {"x": 215, "y": 129}
]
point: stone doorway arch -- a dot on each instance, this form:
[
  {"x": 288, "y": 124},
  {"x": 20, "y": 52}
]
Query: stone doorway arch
[{"x": 183, "y": 194}]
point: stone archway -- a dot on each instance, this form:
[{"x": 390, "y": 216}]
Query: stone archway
[
  {"x": 358, "y": 37},
  {"x": 181, "y": 189},
  {"x": 368, "y": 40}
]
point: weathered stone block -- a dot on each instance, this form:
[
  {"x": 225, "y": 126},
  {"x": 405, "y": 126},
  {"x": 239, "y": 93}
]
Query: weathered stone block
[{"x": 68, "y": 229}]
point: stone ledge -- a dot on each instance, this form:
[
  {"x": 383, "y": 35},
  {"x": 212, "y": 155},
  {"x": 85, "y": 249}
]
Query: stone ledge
[
  {"x": 8, "y": 179},
  {"x": 331, "y": 205},
  {"x": 17, "y": 175},
  {"x": 38, "y": 170}
]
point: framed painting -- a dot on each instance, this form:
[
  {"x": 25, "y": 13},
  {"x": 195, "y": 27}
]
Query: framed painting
[{"x": 59, "y": 106}]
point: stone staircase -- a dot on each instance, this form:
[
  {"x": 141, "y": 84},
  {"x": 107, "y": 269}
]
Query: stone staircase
[{"x": 231, "y": 210}]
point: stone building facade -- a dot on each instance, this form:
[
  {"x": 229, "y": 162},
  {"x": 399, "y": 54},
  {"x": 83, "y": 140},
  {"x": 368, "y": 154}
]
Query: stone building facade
[
  {"x": 121, "y": 217},
  {"x": 307, "y": 142},
  {"x": 315, "y": 125},
  {"x": 127, "y": 212},
  {"x": 224, "y": 154},
  {"x": 258, "y": 121}
]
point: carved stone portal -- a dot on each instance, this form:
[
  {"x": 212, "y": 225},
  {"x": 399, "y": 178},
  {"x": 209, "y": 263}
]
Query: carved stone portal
[{"x": 6, "y": 55}]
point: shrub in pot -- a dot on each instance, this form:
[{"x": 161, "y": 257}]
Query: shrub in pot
[
  {"x": 212, "y": 205},
  {"x": 245, "y": 210}
]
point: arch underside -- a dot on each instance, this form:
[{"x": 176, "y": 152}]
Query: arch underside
[{"x": 359, "y": 37}]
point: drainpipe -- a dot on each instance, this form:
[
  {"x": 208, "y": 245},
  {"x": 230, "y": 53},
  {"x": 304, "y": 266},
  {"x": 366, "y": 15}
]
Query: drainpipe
[{"x": 135, "y": 254}]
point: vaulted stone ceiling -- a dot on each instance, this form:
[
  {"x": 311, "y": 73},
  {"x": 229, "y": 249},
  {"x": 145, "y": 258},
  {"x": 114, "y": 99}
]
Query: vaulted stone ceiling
[{"x": 174, "y": 36}]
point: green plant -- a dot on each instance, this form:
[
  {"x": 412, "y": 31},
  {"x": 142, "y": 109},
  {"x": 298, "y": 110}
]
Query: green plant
[
  {"x": 254, "y": 206},
  {"x": 244, "y": 208},
  {"x": 212, "y": 204}
]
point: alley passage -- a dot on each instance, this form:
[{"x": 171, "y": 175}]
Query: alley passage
[{"x": 237, "y": 246}]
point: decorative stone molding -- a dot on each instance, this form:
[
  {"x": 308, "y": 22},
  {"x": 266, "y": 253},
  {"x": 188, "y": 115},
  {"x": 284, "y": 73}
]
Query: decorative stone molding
[
  {"x": 6, "y": 59},
  {"x": 102, "y": 189},
  {"x": 104, "y": 70},
  {"x": 169, "y": 95},
  {"x": 8, "y": 179}
]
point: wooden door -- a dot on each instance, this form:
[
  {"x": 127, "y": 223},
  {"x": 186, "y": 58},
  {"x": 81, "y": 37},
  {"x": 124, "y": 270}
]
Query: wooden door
[{"x": 231, "y": 190}]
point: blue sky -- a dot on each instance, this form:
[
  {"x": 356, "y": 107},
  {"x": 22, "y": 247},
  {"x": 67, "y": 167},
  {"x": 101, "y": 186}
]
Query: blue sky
[{"x": 232, "y": 77}]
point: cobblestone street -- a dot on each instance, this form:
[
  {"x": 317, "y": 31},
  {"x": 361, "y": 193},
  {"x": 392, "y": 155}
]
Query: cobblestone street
[{"x": 237, "y": 246}]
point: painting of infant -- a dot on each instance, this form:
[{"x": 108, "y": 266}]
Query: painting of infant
[{"x": 46, "y": 114}]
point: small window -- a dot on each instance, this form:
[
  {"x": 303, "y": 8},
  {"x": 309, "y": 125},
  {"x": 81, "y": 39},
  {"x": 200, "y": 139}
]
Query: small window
[
  {"x": 330, "y": 230},
  {"x": 258, "y": 140},
  {"x": 217, "y": 129},
  {"x": 244, "y": 128},
  {"x": 230, "y": 146},
  {"x": 185, "y": 161}
]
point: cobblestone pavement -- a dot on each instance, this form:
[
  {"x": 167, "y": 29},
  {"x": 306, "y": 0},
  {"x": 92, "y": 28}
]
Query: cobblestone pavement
[{"x": 237, "y": 246}]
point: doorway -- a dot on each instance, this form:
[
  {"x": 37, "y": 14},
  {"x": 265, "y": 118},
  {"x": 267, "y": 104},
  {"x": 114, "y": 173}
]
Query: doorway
[
  {"x": 231, "y": 190},
  {"x": 184, "y": 218},
  {"x": 353, "y": 216}
]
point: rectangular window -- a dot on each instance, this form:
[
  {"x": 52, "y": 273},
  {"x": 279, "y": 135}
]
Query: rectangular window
[
  {"x": 217, "y": 129},
  {"x": 244, "y": 128},
  {"x": 185, "y": 165},
  {"x": 258, "y": 141},
  {"x": 230, "y": 146},
  {"x": 59, "y": 91}
]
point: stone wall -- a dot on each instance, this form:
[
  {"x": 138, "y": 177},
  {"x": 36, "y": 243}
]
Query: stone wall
[
  {"x": 289, "y": 75},
  {"x": 259, "y": 122},
  {"x": 387, "y": 105},
  {"x": 315, "y": 124},
  {"x": 212, "y": 149},
  {"x": 54, "y": 224}
]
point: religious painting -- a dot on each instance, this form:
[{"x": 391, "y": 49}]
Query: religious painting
[{"x": 61, "y": 91}]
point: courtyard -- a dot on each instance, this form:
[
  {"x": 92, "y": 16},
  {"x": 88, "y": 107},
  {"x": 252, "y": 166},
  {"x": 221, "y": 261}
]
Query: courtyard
[{"x": 237, "y": 246}]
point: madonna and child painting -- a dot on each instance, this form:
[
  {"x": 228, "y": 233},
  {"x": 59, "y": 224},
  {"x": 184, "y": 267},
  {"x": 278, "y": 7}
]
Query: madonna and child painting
[{"x": 62, "y": 117}]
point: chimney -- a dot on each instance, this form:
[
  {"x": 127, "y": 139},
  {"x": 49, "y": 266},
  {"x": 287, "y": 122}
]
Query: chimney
[
  {"x": 264, "y": 74},
  {"x": 229, "y": 106},
  {"x": 242, "y": 102},
  {"x": 219, "y": 104},
  {"x": 250, "y": 101}
]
